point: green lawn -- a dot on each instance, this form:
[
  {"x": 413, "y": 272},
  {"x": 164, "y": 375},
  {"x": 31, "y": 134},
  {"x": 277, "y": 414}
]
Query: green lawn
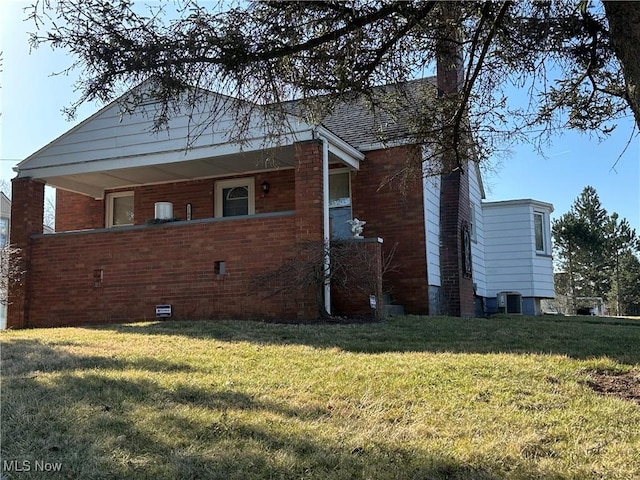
[{"x": 409, "y": 398}]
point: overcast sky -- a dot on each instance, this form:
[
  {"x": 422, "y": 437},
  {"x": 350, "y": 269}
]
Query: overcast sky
[{"x": 31, "y": 100}]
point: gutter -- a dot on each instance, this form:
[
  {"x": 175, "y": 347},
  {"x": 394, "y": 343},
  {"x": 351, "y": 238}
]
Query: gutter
[{"x": 325, "y": 229}]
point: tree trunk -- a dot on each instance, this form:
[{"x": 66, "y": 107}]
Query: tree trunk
[
  {"x": 624, "y": 29},
  {"x": 572, "y": 284}
]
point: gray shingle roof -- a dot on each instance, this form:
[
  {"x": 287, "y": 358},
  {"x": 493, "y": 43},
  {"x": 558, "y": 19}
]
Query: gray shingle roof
[{"x": 382, "y": 118}]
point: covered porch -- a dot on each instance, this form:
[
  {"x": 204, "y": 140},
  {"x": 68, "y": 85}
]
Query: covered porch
[{"x": 238, "y": 211}]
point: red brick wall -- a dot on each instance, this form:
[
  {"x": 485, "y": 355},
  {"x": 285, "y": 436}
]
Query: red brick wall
[
  {"x": 201, "y": 195},
  {"x": 197, "y": 192},
  {"x": 397, "y": 219},
  {"x": 77, "y": 212},
  {"x": 120, "y": 275},
  {"x": 363, "y": 260},
  {"x": 308, "y": 191},
  {"x": 457, "y": 288},
  {"x": 309, "y": 209},
  {"x": 281, "y": 196},
  {"x": 174, "y": 263},
  {"x": 27, "y": 209}
]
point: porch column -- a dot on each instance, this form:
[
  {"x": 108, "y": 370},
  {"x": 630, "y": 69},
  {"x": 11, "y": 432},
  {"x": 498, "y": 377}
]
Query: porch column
[
  {"x": 27, "y": 210},
  {"x": 309, "y": 216}
]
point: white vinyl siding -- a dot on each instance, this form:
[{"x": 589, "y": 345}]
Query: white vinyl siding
[
  {"x": 478, "y": 235},
  {"x": 112, "y": 134},
  {"x": 512, "y": 263},
  {"x": 431, "y": 197}
]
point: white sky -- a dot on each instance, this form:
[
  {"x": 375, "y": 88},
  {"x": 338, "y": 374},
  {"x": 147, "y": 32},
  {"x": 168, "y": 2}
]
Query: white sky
[{"x": 31, "y": 100}]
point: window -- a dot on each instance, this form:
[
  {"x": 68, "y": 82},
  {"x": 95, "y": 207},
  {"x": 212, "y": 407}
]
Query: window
[
  {"x": 472, "y": 223},
  {"x": 340, "y": 204},
  {"x": 219, "y": 267},
  {"x": 540, "y": 233},
  {"x": 119, "y": 209},
  {"x": 4, "y": 232},
  {"x": 235, "y": 197},
  {"x": 467, "y": 256}
]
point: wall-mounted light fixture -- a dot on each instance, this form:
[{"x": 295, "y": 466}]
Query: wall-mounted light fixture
[{"x": 265, "y": 187}]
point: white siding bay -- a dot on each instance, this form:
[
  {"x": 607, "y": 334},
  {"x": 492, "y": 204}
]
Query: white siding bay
[{"x": 512, "y": 263}]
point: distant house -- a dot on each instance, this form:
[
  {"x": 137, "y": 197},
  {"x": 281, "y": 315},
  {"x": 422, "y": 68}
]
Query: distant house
[
  {"x": 241, "y": 217},
  {"x": 5, "y": 217},
  {"x": 5, "y": 221}
]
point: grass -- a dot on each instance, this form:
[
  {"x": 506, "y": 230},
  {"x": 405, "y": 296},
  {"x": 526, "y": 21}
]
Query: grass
[{"x": 410, "y": 398}]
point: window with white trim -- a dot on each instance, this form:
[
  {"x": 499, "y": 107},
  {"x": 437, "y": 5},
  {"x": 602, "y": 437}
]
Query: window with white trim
[
  {"x": 235, "y": 197},
  {"x": 340, "y": 203},
  {"x": 119, "y": 209},
  {"x": 473, "y": 227},
  {"x": 541, "y": 233}
]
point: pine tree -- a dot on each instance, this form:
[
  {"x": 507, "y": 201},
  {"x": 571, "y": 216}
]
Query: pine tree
[
  {"x": 593, "y": 263},
  {"x": 626, "y": 289},
  {"x": 593, "y": 249},
  {"x": 621, "y": 241},
  {"x": 571, "y": 237}
]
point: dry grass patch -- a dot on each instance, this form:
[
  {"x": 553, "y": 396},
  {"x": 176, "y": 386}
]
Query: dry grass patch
[{"x": 414, "y": 398}]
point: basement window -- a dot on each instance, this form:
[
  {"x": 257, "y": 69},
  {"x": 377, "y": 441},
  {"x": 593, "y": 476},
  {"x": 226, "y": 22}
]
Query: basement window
[
  {"x": 119, "y": 209},
  {"x": 219, "y": 269}
]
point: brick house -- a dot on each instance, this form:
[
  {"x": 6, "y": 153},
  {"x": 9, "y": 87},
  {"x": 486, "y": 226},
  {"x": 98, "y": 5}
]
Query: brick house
[{"x": 245, "y": 210}]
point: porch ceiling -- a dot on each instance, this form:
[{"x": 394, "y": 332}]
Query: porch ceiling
[{"x": 94, "y": 183}]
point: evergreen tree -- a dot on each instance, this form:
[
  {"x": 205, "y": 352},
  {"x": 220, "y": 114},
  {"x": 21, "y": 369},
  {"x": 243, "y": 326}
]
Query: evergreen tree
[
  {"x": 571, "y": 237},
  {"x": 593, "y": 249},
  {"x": 621, "y": 241},
  {"x": 593, "y": 264},
  {"x": 625, "y": 293}
]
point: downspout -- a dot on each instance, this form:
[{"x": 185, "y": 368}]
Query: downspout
[{"x": 325, "y": 230}]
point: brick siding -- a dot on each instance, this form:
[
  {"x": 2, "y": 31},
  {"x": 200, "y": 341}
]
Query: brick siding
[
  {"x": 121, "y": 274},
  {"x": 458, "y": 295},
  {"x": 457, "y": 287},
  {"x": 397, "y": 216},
  {"x": 27, "y": 207},
  {"x": 78, "y": 212},
  {"x": 362, "y": 261}
]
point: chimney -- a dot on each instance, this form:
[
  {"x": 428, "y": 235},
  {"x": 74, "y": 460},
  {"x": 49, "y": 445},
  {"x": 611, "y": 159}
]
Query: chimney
[{"x": 455, "y": 246}]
